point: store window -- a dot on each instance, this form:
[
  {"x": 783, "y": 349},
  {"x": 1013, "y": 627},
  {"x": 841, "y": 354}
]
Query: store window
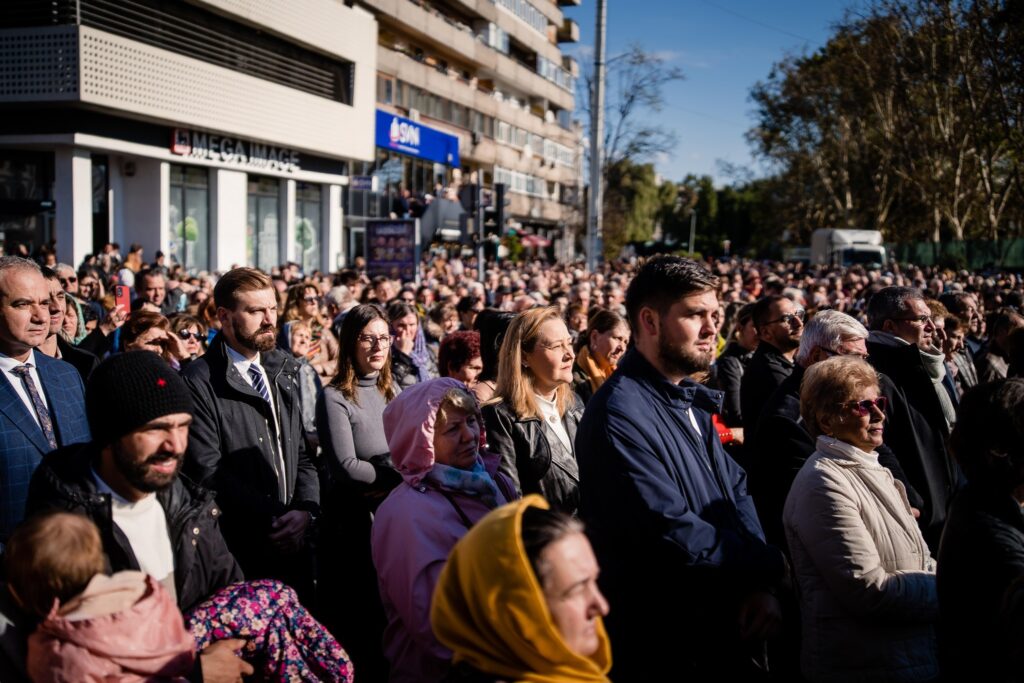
[
  {"x": 188, "y": 225},
  {"x": 308, "y": 226},
  {"x": 26, "y": 201},
  {"x": 262, "y": 233}
]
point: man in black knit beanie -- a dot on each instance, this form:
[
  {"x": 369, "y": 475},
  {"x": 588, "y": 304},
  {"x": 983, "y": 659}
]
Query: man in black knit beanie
[{"x": 127, "y": 482}]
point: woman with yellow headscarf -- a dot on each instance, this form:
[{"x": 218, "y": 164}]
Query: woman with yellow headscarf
[{"x": 518, "y": 600}]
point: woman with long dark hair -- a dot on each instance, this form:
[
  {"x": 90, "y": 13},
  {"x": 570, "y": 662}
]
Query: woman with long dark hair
[{"x": 350, "y": 425}]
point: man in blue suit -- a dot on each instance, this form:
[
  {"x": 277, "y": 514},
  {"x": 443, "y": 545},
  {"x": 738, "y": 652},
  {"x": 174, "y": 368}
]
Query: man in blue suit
[{"x": 42, "y": 399}]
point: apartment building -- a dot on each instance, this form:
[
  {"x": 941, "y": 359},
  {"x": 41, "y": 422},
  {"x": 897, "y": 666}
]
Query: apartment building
[
  {"x": 219, "y": 132},
  {"x": 485, "y": 88}
]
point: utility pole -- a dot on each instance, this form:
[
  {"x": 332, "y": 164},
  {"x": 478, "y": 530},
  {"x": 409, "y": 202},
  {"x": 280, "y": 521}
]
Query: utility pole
[
  {"x": 693, "y": 230},
  {"x": 596, "y": 141},
  {"x": 478, "y": 218}
]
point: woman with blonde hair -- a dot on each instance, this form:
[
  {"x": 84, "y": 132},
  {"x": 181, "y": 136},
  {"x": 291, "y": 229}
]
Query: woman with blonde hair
[
  {"x": 303, "y": 303},
  {"x": 532, "y": 419},
  {"x": 867, "y": 581}
]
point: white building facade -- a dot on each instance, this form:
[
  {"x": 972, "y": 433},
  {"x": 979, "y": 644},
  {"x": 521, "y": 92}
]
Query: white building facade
[{"x": 220, "y": 132}]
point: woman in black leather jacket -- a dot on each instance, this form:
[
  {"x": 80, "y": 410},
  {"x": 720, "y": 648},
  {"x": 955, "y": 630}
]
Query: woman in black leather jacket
[{"x": 532, "y": 419}]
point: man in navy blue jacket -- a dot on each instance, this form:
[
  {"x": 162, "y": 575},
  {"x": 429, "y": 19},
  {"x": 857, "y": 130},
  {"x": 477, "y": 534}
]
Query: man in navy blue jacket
[
  {"x": 42, "y": 399},
  {"x": 675, "y": 532}
]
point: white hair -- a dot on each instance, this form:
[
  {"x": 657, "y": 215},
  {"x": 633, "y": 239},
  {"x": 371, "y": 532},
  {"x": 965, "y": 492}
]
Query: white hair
[{"x": 827, "y": 330}]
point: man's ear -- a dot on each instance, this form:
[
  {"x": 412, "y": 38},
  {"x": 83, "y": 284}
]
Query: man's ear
[
  {"x": 889, "y": 326},
  {"x": 650, "y": 321}
]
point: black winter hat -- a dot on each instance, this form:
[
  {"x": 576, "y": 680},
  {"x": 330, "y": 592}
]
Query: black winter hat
[{"x": 128, "y": 390}]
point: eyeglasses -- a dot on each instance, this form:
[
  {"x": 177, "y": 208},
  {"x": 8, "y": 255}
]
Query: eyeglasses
[
  {"x": 797, "y": 315},
  {"x": 923, "y": 319},
  {"x": 185, "y": 335},
  {"x": 864, "y": 407},
  {"x": 383, "y": 341},
  {"x": 66, "y": 280},
  {"x": 310, "y": 299},
  {"x": 832, "y": 352}
]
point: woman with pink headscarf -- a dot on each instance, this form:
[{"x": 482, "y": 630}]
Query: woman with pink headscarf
[{"x": 433, "y": 431}]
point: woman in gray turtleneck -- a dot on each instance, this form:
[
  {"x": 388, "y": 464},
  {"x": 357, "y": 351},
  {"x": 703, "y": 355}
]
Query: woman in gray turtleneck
[
  {"x": 349, "y": 414},
  {"x": 349, "y": 421}
]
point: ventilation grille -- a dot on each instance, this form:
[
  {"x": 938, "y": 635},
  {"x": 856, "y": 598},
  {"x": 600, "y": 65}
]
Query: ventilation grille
[
  {"x": 198, "y": 33},
  {"x": 39, "y": 65},
  {"x": 129, "y": 76}
]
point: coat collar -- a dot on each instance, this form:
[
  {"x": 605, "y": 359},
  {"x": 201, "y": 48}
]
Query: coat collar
[
  {"x": 17, "y": 412},
  {"x": 686, "y": 394}
]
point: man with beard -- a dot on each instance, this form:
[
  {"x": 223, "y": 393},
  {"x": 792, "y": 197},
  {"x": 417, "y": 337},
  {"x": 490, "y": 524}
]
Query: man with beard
[
  {"x": 673, "y": 527},
  {"x": 247, "y": 437},
  {"x": 779, "y": 324},
  {"x": 126, "y": 481}
]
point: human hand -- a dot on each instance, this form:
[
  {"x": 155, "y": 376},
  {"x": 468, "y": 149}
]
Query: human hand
[
  {"x": 760, "y": 616},
  {"x": 221, "y": 664},
  {"x": 917, "y": 513},
  {"x": 288, "y": 532},
  {"x": 115, "y": 318}
]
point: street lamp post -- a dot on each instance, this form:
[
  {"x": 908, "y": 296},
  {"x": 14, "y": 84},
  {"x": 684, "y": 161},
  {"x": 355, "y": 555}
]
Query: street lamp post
[
  {"x": 596, "y": 138},
  {"x": 693, "y": 230}
]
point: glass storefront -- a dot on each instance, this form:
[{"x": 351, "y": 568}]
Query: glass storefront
[
  {"x": 262, "y": 232},
  {"x": 308, "y": 226},
  {"x": 188, "y": 226},
  {"x": 26, "y": 201}
]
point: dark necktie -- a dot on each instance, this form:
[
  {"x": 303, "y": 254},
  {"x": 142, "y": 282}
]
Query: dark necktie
[
  {"x": 257, "y": 382},
  {"x": 24, "y": 372}
]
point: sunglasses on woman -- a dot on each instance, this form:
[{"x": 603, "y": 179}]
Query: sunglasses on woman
[
  {"x": 185, "y": 335},
  {"x": 864, "y": 407}
]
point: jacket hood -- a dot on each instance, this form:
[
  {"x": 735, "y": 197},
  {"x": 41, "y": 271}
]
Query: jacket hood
[
  {"x": 127, "y": 619},
  {"x": 489, "y": 608},
  {"x": 409, "y": 422}
]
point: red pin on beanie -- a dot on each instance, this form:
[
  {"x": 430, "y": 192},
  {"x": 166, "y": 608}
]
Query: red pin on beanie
[{"x": 130, "y": 389}]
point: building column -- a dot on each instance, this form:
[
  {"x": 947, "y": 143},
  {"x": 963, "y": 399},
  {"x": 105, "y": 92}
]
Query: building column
[
  {"x": 142, "y": 212},
  {"x": 228, "y": 212},
  {"x": 334, "y": 240},
  {"x": 288, "y": 220},
  {"x": 73, "y": 199}
]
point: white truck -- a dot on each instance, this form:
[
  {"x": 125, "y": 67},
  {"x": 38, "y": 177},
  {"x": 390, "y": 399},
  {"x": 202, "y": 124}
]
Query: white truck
[{"x": 841, "y": 247}]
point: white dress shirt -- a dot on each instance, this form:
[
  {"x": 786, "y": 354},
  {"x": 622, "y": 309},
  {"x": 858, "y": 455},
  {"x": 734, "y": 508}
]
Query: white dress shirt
[{"x": 7, "y": 365}]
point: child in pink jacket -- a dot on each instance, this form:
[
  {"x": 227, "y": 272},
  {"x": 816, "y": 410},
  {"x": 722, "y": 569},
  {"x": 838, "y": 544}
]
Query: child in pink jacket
[{"x": 122, "y": 628}]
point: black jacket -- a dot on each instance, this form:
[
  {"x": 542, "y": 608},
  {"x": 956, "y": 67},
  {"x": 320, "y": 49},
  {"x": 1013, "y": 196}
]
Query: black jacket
[
  {"x": 917, "y": 432},
  {"x": 729, "y": 370},
  {"x": 404, "y": 371},
  {"x": 981, "y": 594},
  {"x": 83, "y": 361},
  {"x": 765, "y": 372},
  {"x": 231, "y": 449},
  {"x": 202, "y": 562},
  {"x": 526, "y": 456},
  {"x": 781, "y": 444}
]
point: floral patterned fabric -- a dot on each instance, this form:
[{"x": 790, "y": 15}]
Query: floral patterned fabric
[{"x": 284, "y": 642}]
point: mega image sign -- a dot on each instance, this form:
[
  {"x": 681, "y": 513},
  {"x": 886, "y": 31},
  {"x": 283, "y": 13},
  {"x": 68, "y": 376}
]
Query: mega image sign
[{"x": 413, "y": 138}]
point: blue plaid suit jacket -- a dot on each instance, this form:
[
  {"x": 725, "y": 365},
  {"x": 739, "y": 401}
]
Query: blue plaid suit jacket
[{"x": 22, "y": 444}]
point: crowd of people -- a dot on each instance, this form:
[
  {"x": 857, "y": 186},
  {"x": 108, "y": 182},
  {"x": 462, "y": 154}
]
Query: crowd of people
[{"x": 657, "y": 470}]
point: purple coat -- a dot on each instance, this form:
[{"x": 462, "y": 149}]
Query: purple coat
[{"x": 415, "y": 529}]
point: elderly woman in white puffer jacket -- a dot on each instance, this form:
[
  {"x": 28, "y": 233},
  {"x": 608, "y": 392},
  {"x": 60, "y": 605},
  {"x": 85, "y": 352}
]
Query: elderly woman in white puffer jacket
[{"x": 866, "y": 580}]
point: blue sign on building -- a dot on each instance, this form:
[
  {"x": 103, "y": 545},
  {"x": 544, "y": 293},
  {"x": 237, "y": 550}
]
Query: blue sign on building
[{"x": 413, "y": 138}]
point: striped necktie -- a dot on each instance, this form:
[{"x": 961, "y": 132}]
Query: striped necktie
[
  {"x": 258, "y": 383},
  {"x": 45, "y": 422}
]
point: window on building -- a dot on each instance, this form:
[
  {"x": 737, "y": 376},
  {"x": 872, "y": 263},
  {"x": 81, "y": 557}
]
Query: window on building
[
  {"x": 385, "y": 89},
  {"x": 188, "y": 214},
  {"x": 262, "y": 232},
  {"x": 308, "y": 226}
]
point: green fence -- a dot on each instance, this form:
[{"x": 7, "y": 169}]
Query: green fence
[{"x": 970, "y": 255}]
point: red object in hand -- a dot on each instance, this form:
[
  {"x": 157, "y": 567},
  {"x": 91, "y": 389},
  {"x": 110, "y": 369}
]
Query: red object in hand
[{"x": 724, "y": 433}]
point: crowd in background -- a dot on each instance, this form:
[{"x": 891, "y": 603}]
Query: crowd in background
[{"x": 808, "y": 471}]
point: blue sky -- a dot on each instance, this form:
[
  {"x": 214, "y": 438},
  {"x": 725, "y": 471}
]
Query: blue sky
[{"x": 724, "y": 47}]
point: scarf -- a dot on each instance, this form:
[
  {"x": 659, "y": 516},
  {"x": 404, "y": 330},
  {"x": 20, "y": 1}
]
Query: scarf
[
  {"x": 475, "y": 482},
  {"x": 935, "y": 365},
  {"x": 597, "y": 372},
  {"x": 421, "y": 355}
]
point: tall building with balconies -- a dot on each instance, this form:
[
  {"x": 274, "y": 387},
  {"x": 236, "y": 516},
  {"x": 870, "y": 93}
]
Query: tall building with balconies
[
  {"x": 217, "y": 131},
  {"x": 486, "y": 87}
]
